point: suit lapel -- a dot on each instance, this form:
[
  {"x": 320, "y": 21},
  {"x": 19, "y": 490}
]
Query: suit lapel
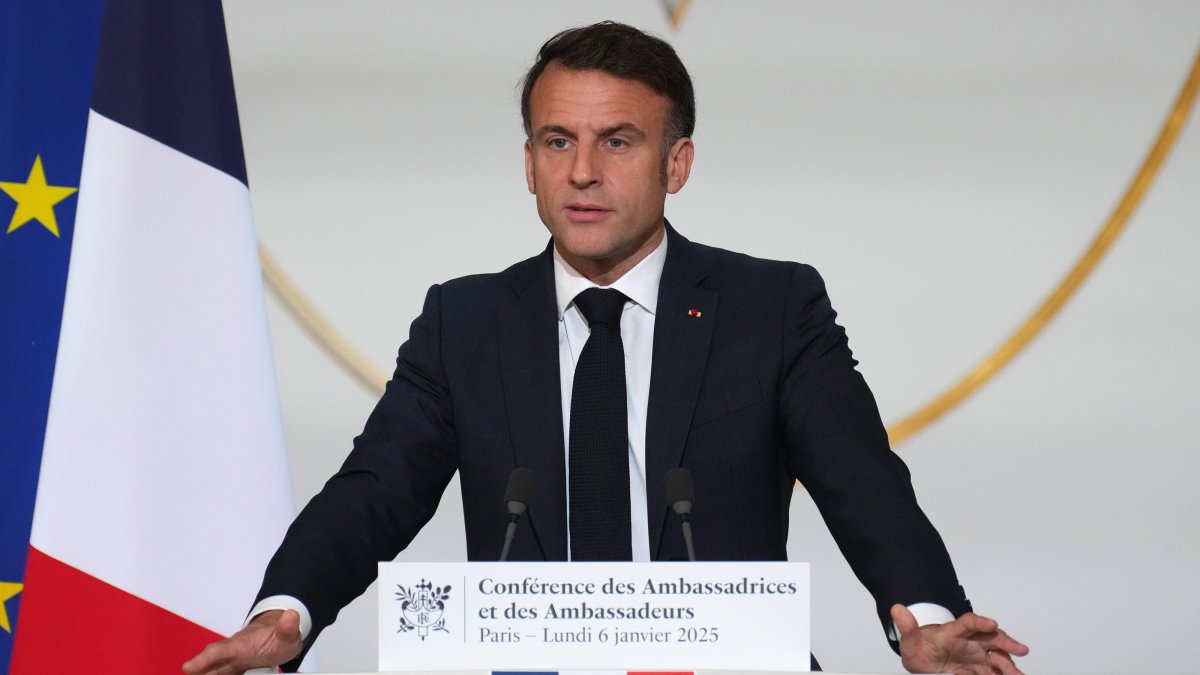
[
  {"x": 528, "y": 339},
  {"x": 683, "y": 327}
]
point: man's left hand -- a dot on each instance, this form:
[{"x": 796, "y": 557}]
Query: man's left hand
[{"x": 971, "y": 644}]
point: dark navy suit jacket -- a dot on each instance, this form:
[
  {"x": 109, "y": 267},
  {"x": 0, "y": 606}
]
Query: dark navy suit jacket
[{"x": 754, "y": 389}]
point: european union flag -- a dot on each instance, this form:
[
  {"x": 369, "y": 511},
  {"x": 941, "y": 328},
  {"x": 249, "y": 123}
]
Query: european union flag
[{"x": 47, "y": 59}]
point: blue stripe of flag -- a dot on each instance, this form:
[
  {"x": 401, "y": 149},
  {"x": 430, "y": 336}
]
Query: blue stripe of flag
[
  {"x": 47, "y": 58},
  {"x": 163, "y": 70}
]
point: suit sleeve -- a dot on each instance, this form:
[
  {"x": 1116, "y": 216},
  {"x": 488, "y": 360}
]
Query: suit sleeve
[
  {"x": 386, "y": 490},
  {"x": 837, "y": 447}
]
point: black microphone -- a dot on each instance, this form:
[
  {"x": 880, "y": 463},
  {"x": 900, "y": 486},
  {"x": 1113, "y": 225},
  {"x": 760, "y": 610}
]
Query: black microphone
[
  {"x": 680, "y": 497},
  {"x": 518, "y": 496}
]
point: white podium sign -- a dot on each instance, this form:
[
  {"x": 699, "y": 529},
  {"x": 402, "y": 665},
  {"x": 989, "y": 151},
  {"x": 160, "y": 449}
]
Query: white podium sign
[{"x": 579, "y": 616}]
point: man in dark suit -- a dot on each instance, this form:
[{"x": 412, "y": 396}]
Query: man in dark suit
[{"x": 734, "y": 366}]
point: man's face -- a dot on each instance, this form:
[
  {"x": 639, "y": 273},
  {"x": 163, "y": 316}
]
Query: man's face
[{"x": 595, "y": 164}]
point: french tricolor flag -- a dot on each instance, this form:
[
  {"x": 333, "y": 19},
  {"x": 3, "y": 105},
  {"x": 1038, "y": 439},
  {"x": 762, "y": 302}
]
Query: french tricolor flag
[{"x": 164, "y": 487}]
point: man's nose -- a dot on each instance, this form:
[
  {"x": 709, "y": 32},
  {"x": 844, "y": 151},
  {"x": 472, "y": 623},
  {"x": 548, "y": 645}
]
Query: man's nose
[{"x": 584, "y": 170}]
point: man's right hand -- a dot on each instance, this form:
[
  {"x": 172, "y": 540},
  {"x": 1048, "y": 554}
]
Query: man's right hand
[{"x": 271, "y": 638}]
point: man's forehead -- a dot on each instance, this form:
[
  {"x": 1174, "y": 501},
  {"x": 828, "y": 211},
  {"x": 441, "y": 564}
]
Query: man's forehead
[{"x": 567, "y": 97}]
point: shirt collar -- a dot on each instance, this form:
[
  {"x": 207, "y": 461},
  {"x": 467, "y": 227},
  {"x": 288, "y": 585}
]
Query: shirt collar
[{"x": 639, "y": 284}]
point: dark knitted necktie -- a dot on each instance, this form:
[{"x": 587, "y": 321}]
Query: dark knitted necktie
[{"x": 599, "y": 435}]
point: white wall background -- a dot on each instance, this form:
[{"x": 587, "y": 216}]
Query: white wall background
[{"x": 942, "y": 163}]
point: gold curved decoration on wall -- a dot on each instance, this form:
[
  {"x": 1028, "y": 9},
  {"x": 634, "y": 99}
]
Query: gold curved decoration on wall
[
  {"x": 1036, "y": 323},
  {"x": 340, "y": 349},
  {"x": 676, "y": 12},
  {"x": 318, "y": 327}
]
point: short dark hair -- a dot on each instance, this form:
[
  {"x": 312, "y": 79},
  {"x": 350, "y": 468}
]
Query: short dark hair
[{"x": 626, "y": 52}]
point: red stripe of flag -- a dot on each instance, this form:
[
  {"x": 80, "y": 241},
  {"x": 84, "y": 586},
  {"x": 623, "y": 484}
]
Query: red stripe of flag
[{"x": 110, "y": 630}]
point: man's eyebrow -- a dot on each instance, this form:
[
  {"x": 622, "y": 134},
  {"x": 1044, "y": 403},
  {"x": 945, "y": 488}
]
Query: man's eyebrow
[
  {"x": 623, "y": 128},
  {"x": 554, "y": 129}
]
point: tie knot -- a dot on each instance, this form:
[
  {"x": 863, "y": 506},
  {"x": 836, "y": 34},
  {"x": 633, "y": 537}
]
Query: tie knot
[{"x": 601, "y": 306}]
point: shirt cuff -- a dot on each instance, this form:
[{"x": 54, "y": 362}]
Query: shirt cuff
[
  {"x": 926, "y": 613},
  {"x": 283, "y": 602}
]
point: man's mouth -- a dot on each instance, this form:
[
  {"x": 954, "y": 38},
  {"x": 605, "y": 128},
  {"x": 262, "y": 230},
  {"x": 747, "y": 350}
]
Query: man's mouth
[{"x": 586, "y": 213}]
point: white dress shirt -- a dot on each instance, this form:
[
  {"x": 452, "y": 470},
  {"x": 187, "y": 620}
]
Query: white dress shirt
[{"x": 640, "y": 285}]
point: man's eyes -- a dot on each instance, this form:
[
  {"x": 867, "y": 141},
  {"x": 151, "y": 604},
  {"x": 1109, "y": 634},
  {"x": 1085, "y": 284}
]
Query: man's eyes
[{"x": 611, "y": 143}]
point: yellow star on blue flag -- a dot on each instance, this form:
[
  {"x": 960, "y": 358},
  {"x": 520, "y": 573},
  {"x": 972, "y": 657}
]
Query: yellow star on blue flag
[
  {"x": 35, "y": 199},
  {"x": 8, "y": 590}
]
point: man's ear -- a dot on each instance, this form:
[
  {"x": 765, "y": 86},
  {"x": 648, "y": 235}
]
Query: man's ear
[
  {"x": 529, "y": 168},
  {"x": 679, "y": 164}
]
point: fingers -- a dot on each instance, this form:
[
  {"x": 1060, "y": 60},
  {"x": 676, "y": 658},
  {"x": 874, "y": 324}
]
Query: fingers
[
  {"x": 270, "y": 639},
  {"x": 969, "y": 644},
  {"x": 969, "y": 624},
  {"x": 906, "y": 623},
  {"x": 287, "y": 628},
  {"x": 1004, "y": 642},
  {"x": 1001, "y": 662},
  {"x": 211, "y": 659},
  {"x": 987, "y": 633},
  {"x": 914, "y": 652}
]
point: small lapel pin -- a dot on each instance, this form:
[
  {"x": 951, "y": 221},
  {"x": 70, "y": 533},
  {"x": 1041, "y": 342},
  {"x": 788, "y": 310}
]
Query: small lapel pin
[{"x": 694, "y": 313}]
